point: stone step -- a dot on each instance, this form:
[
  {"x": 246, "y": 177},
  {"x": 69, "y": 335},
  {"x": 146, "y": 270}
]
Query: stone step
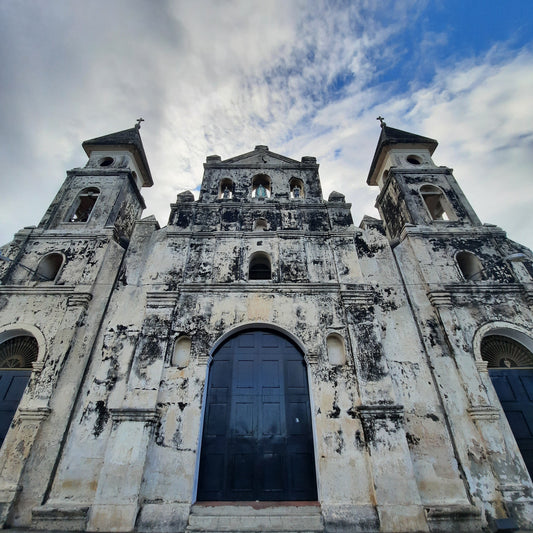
[{"x": 249, "y": 517}]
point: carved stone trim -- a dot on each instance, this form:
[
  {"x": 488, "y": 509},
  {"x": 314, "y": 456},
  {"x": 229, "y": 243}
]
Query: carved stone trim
[
  {"x": 482, "y": 366},
  {"x": 311, "y": 358},
  {"x": 132, "y": 414},
  {"x": 357, "y": 295},
  {"x": 161, "y": 299},
  {"x": 81, "y": 299},
  {"x": 37, "y": 366},
  {"x": 380, "y": 411},
  {"x": 483, "y": 288},
  {"x": 440, "y": 298},
  {"x": 37, "y": 413},
  {"x": 484, "y": 412}
]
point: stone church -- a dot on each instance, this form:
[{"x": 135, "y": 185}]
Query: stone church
[{"x": 261, "y": 363}]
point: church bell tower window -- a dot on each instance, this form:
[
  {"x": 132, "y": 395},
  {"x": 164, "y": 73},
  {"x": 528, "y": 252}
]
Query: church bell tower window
[
  {"x": 436, "y": 202},
  {"x": 49, "y": 267},
  {"x": 260, "y": 267},
  {"x": 84, "y": 205},
  {"x": 470, "y": 266}
]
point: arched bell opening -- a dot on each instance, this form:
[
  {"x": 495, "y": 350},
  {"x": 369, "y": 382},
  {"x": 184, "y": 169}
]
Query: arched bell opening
[
  {"x": 257, "y": 438},
  {"x": 17, "y": 355}
]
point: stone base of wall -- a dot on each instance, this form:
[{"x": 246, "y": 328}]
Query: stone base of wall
[
  {"x": 339, "y": 518},
  {"x": 163, "y": 517},
  {"x": 61, "y": 517},
  {"x": 453, "y": 518}
]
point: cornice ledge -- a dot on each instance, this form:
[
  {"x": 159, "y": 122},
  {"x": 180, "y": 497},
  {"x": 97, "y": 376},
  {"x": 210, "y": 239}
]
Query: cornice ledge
[
  {"x": 440, "y": 298},
  {"x": 38, "y": 289},
  {"x": 483, "y": 288},
  {"x": 133, "y": 414},
  {"x": 161, "y": 299},
  {"x": 79, "y": 299},
  {"x": 357, "y": 294}
]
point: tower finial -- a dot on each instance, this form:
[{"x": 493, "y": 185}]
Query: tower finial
[
  {"x": 138, "y": 124},
  {"x": 381, "y": 121}
]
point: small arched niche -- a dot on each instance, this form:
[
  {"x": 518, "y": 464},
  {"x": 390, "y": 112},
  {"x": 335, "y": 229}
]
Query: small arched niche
[
  {"x": 470, "y": 266},
  {"x": 260, "y": 224},
  {"x": 49, "y": 267},
  {"x": 84, "y": 204},
  {"x": 261, "y": 186},
  {"x": 336, "y": 350},
  {"x": 260, "y": 266},
  {"x": 225, "y": 189},
  {"x": 297, "y": 188},
  {"x": 182, "y": 352},
  {"x": 436, "y": 202}
]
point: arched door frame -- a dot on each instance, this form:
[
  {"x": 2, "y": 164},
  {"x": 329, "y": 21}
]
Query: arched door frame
[
  {"x": 230, "y": 333},
  {"x": 506, "y": 329}
]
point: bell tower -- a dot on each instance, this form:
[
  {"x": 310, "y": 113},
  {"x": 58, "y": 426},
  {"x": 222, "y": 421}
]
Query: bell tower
[
  {"x": 413, "y": 190},
  {"x": 106, "y": 192}
]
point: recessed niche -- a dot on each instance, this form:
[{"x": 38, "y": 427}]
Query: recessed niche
[
  {"x": 414, "y": 160},
  {"x": 106, "y": 161}
]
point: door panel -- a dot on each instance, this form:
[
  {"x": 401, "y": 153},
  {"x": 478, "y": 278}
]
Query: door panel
[
  {"x": 266, "y": 440},
  {"x": 12, "y": 386},
  {"x": 514, "y": 387}
]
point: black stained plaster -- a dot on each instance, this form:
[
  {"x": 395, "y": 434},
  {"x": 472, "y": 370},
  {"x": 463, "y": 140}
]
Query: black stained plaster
[
  {"x": 358, "y": 313},
  {"x": 230, "y": 215},
  {"x": 317, "y": 221},
  {"x": 433, "y": 417},
  {"x": 494, "y": 268},
  {"x": 412, "y": 440},
  {"x": 340, "y": 442},
  {"x": 335, "y": 411},
  {"x": 371, "y": 359},
  {"x": 434, "y": 337},
  {"x": 172, "y": 279},
  {"x": 372, "y": 427},
  {"x": 342, "y": 219},
  {"x": 393, "y": 213},
  {"x": 384, "y": 299},
  {"x": 365, "y": 249}
]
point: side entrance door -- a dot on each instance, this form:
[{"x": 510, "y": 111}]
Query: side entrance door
[
  {"x": 257, "y": 439},
  {"x": 12, "y": 386},
  {"x": 514, "y": 387}
]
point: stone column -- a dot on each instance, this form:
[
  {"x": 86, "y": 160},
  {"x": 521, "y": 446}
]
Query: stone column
[
  {"x": 396, "y": 493},
  {"x": 116, "y": 503}
]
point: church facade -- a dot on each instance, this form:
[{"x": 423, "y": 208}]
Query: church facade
[{"x": 261, "y": 363}]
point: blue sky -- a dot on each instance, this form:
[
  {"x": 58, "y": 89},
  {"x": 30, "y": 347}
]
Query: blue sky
[{"x": 303, "y": 77}]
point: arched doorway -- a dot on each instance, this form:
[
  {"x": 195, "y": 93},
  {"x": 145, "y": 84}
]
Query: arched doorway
[
  {"x": 510, "y": 366},
  {"x": 257, "y": 439},
  {"x": 16, "y": 357}
]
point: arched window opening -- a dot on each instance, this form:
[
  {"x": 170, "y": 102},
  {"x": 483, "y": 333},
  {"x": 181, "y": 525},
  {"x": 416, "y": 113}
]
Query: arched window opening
[
  {"x": 261, "y": 187},
  {"x": 182, "y": 352},
  {"x": 260, "y": 267},
  {"x": 336, "y": 351},
  {"x": 84, "y": 205},
  {"x": 297, "y": 188},
  {"x": 226, "y": 189},
  {"x": 436, "y": 202},
  {"x": 260, "y": 224},
  {"x": 470, "y": 266},
  {"x": 16, "y": 357},
  {"x": 503, "y": 352},
  {"x": 49, "y": 267}
]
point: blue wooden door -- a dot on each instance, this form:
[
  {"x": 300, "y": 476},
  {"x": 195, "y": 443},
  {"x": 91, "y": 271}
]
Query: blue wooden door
[
  {"x": 514, "y": 387},
  {"x": 257, "y": 439},
  {"x": 12, "y": 386}
]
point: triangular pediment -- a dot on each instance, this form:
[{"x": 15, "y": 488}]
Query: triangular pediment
[{"x": 260, "y": 156}]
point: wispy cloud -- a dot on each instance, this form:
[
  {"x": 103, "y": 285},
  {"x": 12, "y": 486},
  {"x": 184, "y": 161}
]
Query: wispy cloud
[{"x": 220, "y": 77}]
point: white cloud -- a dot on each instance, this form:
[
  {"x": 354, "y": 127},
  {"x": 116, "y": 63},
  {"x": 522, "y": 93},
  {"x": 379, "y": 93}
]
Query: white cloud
[{"x": 221, "y": 77}]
